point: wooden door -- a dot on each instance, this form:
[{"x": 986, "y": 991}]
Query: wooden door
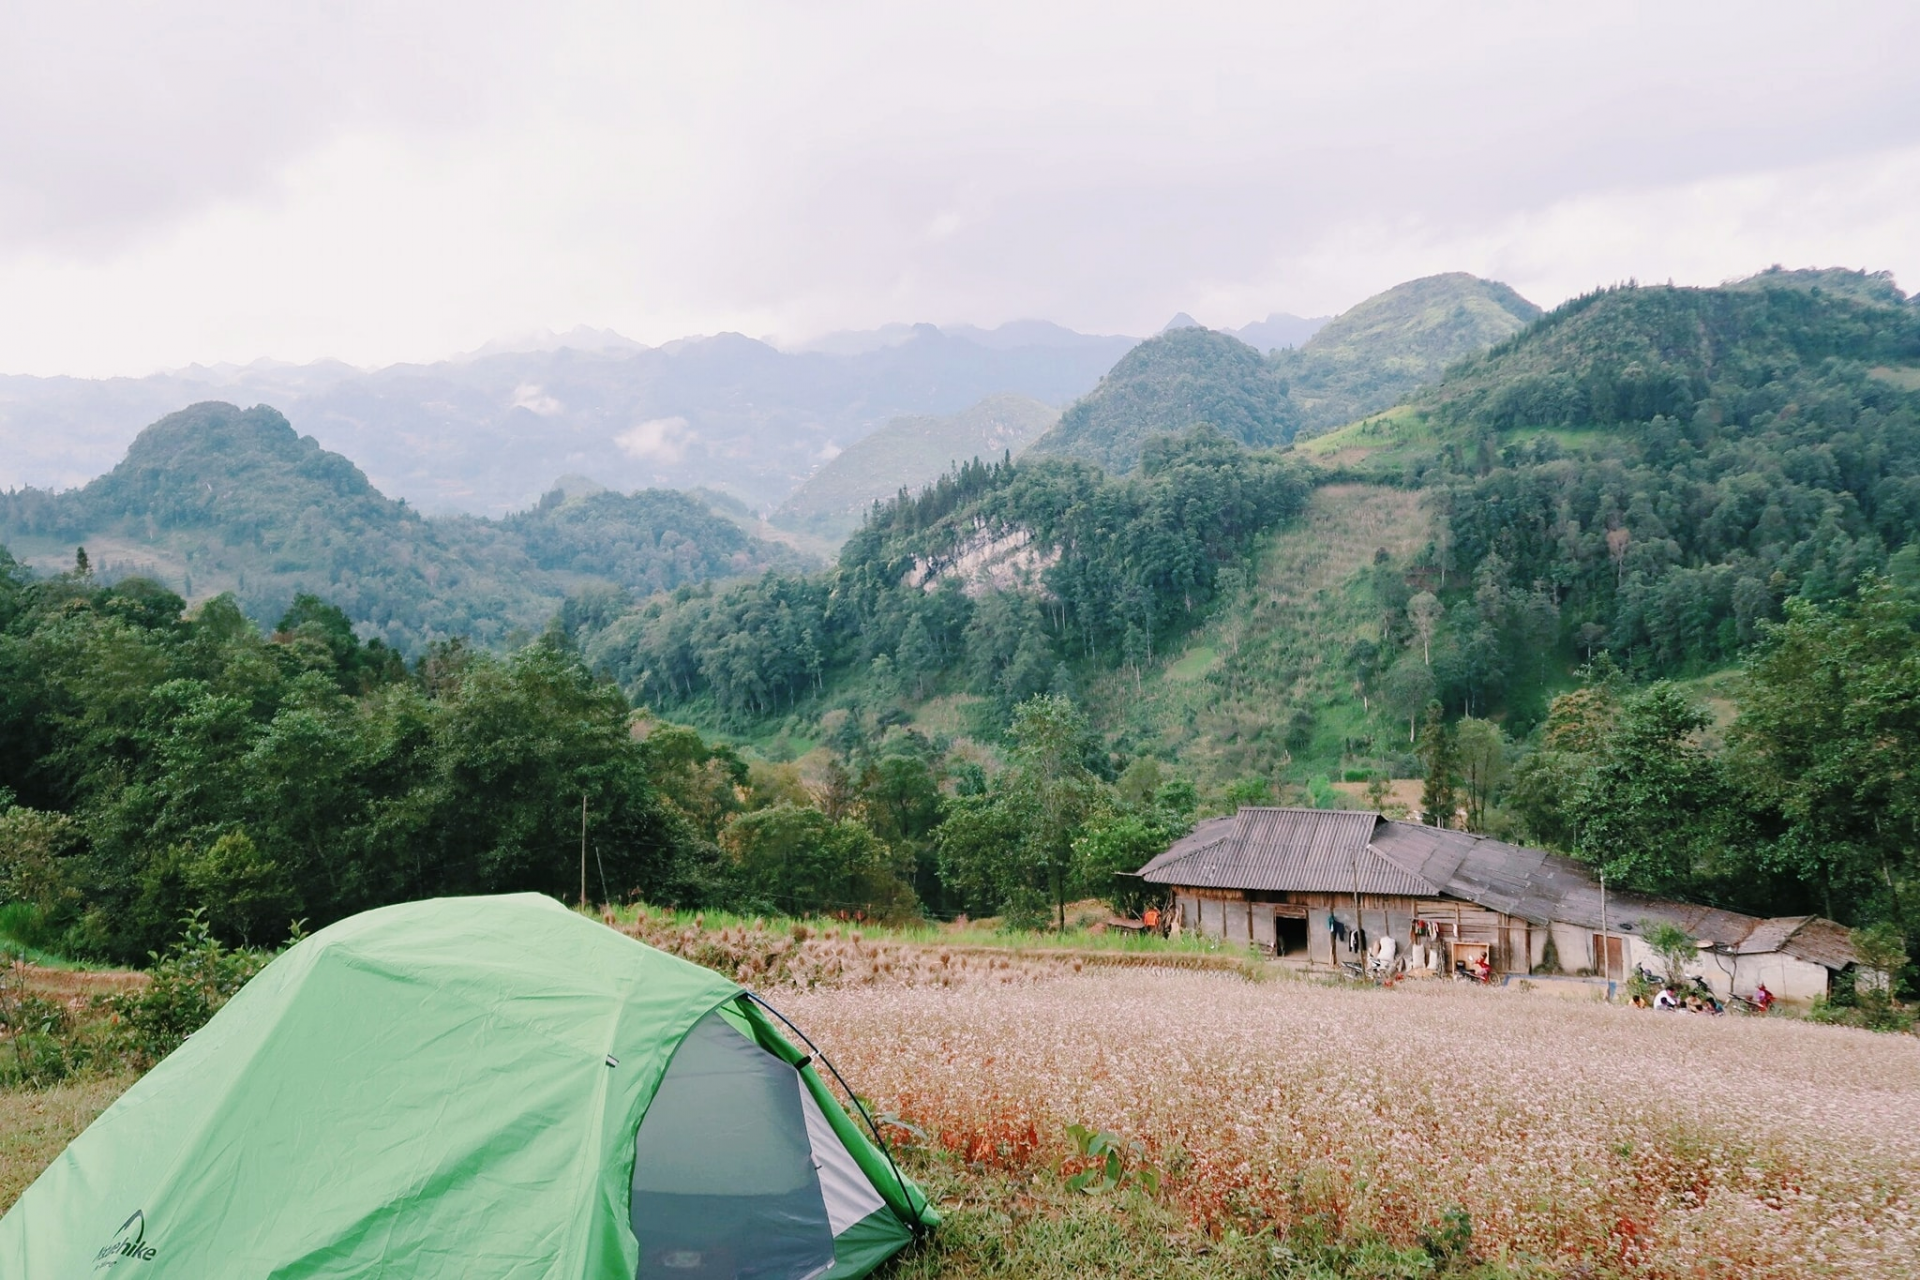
[{"x": 1610, "y": 957}]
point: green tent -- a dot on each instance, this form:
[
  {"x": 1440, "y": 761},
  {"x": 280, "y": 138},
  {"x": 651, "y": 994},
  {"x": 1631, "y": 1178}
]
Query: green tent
[{"x": 472, "y": 1087}]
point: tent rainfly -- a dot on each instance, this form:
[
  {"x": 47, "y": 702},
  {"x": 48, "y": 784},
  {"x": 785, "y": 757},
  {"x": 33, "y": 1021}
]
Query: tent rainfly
[{"x": 473, "y": 1087}]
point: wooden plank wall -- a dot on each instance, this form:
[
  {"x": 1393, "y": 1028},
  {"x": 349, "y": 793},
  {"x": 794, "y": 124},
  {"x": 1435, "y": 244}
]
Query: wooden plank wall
[{"x": 1516, "y": 945}]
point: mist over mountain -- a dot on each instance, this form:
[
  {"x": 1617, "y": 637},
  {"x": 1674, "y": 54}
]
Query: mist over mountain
[
  {"x": 910, "y": 453},
  {"x": 481, "y": 434},
  {"x": 1278, "y": 330}
]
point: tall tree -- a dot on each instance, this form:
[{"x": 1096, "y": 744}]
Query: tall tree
[
  {"x": 1439, "y": 798},
  {"x": 1482, "y": 753},
  {"x": 1051, "y": 782},
  {"x": 1649, "y": 809},
  {"x": 1828, "y": 741}
]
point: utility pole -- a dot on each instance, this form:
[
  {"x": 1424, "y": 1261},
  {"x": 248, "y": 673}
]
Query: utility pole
[
  {"x": 583, "y": 848},
  {"x": 1606, "y": 946}
]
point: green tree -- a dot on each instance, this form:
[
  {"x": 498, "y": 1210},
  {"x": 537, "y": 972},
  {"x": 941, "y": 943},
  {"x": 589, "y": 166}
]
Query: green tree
[
  {"x": 1649, "y": 808},
  {"x": 1674, "y": 945},
  {"x": 1825, "y": 745},
  {"x": 1110, "y": 849},
  {"x": 1482, "y": 753},
  {"x": 1439, "y": 755},
  {"x": 1050, "y": 782},
  {"x": 796, "y": 859},
  {"x": 246, "y": 896},
  {"x": 1406, "y": 689}
]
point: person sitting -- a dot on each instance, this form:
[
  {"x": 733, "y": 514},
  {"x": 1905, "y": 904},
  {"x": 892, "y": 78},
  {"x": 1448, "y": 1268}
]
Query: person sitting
[
  {"x": 1666, "y": 999},
  {"x": 1762, "y": 998},
  {"x": 1482, "y": 968}
]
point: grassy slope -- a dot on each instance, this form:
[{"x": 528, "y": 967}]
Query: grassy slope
[{"x": 1219, "y": 703}]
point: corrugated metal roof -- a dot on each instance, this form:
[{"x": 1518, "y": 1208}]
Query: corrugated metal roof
[
  {"x": 1822, "y": 942},
  {"x": 1204, "y": 834},
  {"x": 1770, "y": 935},
  {"x": 1540, "y": 886},
  {"x": 1320, "y": 851},
  {"x": 1303, "y": 850}
]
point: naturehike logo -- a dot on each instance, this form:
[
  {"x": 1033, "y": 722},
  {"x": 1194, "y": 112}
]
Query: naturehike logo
[{"x": 130, "y": 1241}]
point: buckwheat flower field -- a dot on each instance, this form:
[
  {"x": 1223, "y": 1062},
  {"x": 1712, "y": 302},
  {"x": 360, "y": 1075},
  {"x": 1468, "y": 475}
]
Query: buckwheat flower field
[{"x": 1587, "y": 1139}]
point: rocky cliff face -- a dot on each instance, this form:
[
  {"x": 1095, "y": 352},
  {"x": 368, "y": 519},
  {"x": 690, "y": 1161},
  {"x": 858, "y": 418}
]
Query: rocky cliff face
[{"x": 989, "y": 559}]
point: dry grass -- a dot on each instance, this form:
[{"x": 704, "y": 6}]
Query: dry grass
[
  {"x": 1576, "y": 1136},
  {"x": 1583, "y": 1140},
  {"x": 35, "y": 1126},
  {"x": 809, "y": 955}
]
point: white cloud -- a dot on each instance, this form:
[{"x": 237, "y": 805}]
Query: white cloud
[
  {"x": 529, "y": 396},
  {"x": 407, "y": 180},
  {"x": 656, "y": 440}
]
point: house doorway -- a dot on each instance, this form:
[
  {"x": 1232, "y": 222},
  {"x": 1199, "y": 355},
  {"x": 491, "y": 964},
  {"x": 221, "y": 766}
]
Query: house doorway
[
  {"x": 1609, "y": 957},
  {"x": 1289, "y": 935}
]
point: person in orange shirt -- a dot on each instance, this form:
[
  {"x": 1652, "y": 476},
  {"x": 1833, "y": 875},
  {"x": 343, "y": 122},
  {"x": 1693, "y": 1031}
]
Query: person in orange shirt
[{"x": 1151, "y": 919}]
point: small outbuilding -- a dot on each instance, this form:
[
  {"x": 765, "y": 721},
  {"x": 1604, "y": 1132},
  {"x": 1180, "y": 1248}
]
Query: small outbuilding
[{"x": 1327, "y": 884}]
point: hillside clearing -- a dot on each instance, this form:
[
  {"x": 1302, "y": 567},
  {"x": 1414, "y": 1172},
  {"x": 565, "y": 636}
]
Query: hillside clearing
[{"x": 1222, "y": 704}]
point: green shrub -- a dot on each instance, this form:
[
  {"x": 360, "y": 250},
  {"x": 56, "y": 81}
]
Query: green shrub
[
  {"x": 42, "y": 1044},
  {"x": 191, "y": 982}
]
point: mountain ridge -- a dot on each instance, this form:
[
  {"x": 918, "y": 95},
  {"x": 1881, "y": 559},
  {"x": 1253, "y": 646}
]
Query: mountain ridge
[{"x": 215, "y": 498}]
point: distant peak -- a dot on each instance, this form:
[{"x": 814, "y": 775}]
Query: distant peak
[
  {"x": 573, "y": 485},
  {"x": 1181, "y": 321},
  {"x": 579, "y": 338}
]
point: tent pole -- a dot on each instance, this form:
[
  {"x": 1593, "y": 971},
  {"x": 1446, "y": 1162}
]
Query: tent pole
[
  {"x": 583, "y": 848},
  {"x": 916, "y": 1226}
]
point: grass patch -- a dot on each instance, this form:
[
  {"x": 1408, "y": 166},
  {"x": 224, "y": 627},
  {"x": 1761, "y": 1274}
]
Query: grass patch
[
  {"x": 1905, "y": 377},
  {"x": 1083, "y": 933},
  {"x": 1262, "y": 688},
  {"x": 1194, "y": 665},
  {"x": 37, "y": 1124},
  {"x": 1382, "y": 441}
]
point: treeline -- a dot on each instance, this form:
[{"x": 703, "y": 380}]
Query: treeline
[
  {"x": 1127, "y": 562},
  {"x": 158, "y": 765},
  {"x": 1804, "y": 800}
]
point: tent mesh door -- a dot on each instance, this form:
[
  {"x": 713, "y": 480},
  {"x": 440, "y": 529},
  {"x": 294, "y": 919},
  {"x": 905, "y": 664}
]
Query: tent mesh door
[{"x": 724, "y": 1182}]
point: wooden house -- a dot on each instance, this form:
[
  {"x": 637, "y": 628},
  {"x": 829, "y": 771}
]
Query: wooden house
[{"x": 1301, "y": 882}]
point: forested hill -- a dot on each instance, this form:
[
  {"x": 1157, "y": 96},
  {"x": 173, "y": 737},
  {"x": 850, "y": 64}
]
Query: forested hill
[
  {"x": 997, "y": 580},
  {"x": 1367, "y": 359},
  {"x": 1378, "y": 353},
  {"x": 214, "y": 499},
  {"x": 1182, "y": 378},
  {"x": 1655, "y": 471}
]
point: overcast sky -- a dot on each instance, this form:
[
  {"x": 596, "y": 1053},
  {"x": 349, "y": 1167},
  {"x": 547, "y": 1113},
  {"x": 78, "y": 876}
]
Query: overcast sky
[{"x": 188, "y": 182}]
